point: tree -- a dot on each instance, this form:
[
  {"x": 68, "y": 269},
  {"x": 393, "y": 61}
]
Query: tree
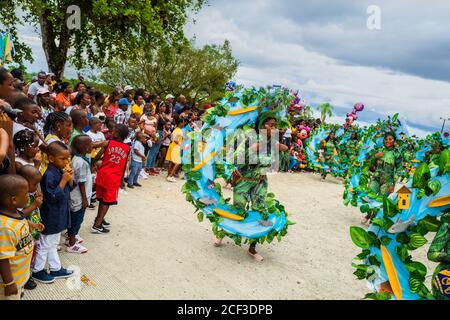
[
  {"x": 198, "y": 73},
  {"x": 326, "y": 110},
  {"x": 107, "y": 28}
]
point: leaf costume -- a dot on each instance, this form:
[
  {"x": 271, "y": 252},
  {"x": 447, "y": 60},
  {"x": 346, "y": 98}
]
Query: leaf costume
[{"x": 387, "y": 171}]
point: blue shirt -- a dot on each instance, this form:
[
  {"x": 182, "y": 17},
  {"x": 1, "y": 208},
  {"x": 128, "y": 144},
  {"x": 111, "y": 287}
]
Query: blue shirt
[
  {"x": 178, "y": 109},
  {"x": 55, "y": 209}
]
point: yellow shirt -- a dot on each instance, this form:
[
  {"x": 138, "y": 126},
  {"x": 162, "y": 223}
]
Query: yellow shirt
[
  {"x": 16, "y": 244},
  {"x": 137, "y": 109}
]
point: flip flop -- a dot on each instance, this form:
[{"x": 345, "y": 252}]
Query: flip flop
[{"x": 256, "y": 256}]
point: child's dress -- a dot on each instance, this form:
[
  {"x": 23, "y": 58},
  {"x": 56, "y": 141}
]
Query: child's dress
[{"x": 174, "y": 151}]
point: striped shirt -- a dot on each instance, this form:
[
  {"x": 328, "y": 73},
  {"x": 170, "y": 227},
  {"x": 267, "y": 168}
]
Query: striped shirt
[{"x": 16, "y": 244}]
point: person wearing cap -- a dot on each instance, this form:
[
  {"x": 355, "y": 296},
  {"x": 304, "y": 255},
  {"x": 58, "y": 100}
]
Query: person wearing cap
[
  {"x": 39, "y": 84},
  {"x": 44, "y": 101},
  {"x": 180, "y": 105},
  {"x": 121, "y": 116},
  {"x": 128, "y": 89}
]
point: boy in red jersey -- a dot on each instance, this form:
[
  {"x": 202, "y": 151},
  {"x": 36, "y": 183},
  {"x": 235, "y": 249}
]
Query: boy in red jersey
[{"x": 110, "y": 175}]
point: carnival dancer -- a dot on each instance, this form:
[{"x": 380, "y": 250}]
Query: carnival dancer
[{"x": 329, "y": 146}]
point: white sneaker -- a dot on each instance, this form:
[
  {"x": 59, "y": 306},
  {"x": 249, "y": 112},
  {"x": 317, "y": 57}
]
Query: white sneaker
[
  {"x": 171, "y": 179},
  {"x": 143, "y": 174},
  {"x": 122, "y": 191},
  {"x": 77, "y": 248},
  {"x": 78, "y": 240}
]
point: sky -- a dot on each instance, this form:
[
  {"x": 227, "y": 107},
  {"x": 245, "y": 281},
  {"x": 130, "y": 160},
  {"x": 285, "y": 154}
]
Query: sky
[{"x": 326, "y": 50}]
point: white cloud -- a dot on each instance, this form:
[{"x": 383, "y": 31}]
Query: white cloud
[{"x": 267, "y": 58}]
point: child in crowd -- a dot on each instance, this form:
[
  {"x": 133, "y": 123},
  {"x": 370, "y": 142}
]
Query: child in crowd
[
  {"x": 97, "y": 137},
  {"x": 110, "y": 175},
  {"x": 16, "y": 247},
  {"x": 56, "y": 185},
  {"x": 79, "y": 120},
  {"x": 166, "y": 139},
  {"x": 27, "y": 146},
  {"x": 81, "y": 194},
  {"x": 137, "y": 158},
  {"x": 31, "y": 209},
  {"x": 174, "y": 151},
  {"x": 109, "y": 127},
  {"x": 121, "y": 116},
  {"x": 58, "y": 127}
]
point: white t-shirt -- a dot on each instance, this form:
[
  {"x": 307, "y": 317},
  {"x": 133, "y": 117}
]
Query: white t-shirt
[
  {"x": 288, "y": 133},
  {"x": 82, "y": 173},
  {"x": 34, "y": 88},
  {"x": 96, "y": 136},
  {"x": 140, "y": 148},
  {"x": 24, "y": 162}
]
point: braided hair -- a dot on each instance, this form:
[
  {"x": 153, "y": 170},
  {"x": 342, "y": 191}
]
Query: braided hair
[
  {"x": 23, "y": 139},
  {"x": 53, "y": 119}
]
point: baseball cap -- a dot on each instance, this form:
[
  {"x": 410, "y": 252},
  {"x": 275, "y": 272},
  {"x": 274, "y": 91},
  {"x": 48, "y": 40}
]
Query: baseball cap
[
  {"x": 128, "y": 88},
  {"x": 124, "y": 101},
  {"x": 169, "y": 96},
  {"x": 42, "y": 91}
]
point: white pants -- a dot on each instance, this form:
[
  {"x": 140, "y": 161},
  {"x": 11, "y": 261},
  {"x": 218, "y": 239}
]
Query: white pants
[{"x": 48, "y": 252}]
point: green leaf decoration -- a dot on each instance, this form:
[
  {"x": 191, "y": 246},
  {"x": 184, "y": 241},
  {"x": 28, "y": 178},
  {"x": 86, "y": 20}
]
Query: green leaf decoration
[
  {"x": 420, "y": 194},
  {"x": 402, "y": 238},
  {"x": 360, "y": 237},
  {"x": 360, "y": 274},
  {"x": 389, "y": 208},
  {"x": 363, "y": 254},
  {"x": 414, "y": 284},
  {"x": 434, "y": 186},
  {"x": 417, "y": 267},
  {"x": 430, "y": 223},
  {"x": 378, "y": 222},
  {"x": 385, "y": 240},
  {"x": 416, "y": 241},
  {"x": 402, "y": 252},
  {"x": 444, "y": 162},
  {"x": 375, "y": 261},
  {"x": 395, "y": 117},
  {"x": 200, "y": 216},
  {"x": 378, "y": 296},
  {"x": 421, "y": 176}
]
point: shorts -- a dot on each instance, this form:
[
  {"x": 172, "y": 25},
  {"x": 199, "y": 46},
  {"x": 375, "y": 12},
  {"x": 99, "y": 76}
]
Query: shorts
[{"x": 107, "y": 196}]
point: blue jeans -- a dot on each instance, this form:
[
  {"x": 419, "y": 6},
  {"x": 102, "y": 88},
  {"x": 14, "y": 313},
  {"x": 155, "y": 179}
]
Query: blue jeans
[
  {"x": 76, "y": 219},
  {"x": 293, "y": 163},
  {"x": 153, "y": 152},
  {"x": 135, "y": 170}
]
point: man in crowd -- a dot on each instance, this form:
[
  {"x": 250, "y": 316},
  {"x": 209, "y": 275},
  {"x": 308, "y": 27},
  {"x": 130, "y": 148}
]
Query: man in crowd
[{"x": 39, "y": 84}]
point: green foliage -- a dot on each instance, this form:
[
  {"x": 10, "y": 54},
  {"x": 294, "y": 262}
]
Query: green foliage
[
  {"x": 360, "y": 237},
  {"x": 416, "y": 241},
  {"x": 444, "y": 162},
  {"x": 109, "y": 28},
  {"x": 421, "y": 176},
  {"x": 389, "y": 208},
  {"x": 198, "y": 73},
  {"x": 378, "y": 296}
]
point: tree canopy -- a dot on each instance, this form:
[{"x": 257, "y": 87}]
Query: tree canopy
[
  {"x": 198, "y": 73},
  {"x": 326, "y": 110},
  {"x": 107, "y": 29}
]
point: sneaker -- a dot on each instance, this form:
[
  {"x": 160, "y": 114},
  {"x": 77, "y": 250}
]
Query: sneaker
[
  {"x": 61, "y": 273},
  {"x": 43, "y": 277},
  {"x": 143, "y": 175},
  {"x": 105, "y": 224},
  {"x": 171, "y": 179},
  {"x": 137, "y": 185},
  {"x": 30, "y": 285},
  {"x": 78, "y": 239},
  {"x": 91, "y": 206},
  {"x": 122, "y": 191},
  {"x": 59, "y": 248},
  {"x": 99, "y": 230},
  {"x": 130, "y": 186},
  {"x": 77, "y": 248}
]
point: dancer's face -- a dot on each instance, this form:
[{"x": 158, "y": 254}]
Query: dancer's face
[
  {"x": 270, "y": 125},
  {"x": 389, "y": 141}
]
